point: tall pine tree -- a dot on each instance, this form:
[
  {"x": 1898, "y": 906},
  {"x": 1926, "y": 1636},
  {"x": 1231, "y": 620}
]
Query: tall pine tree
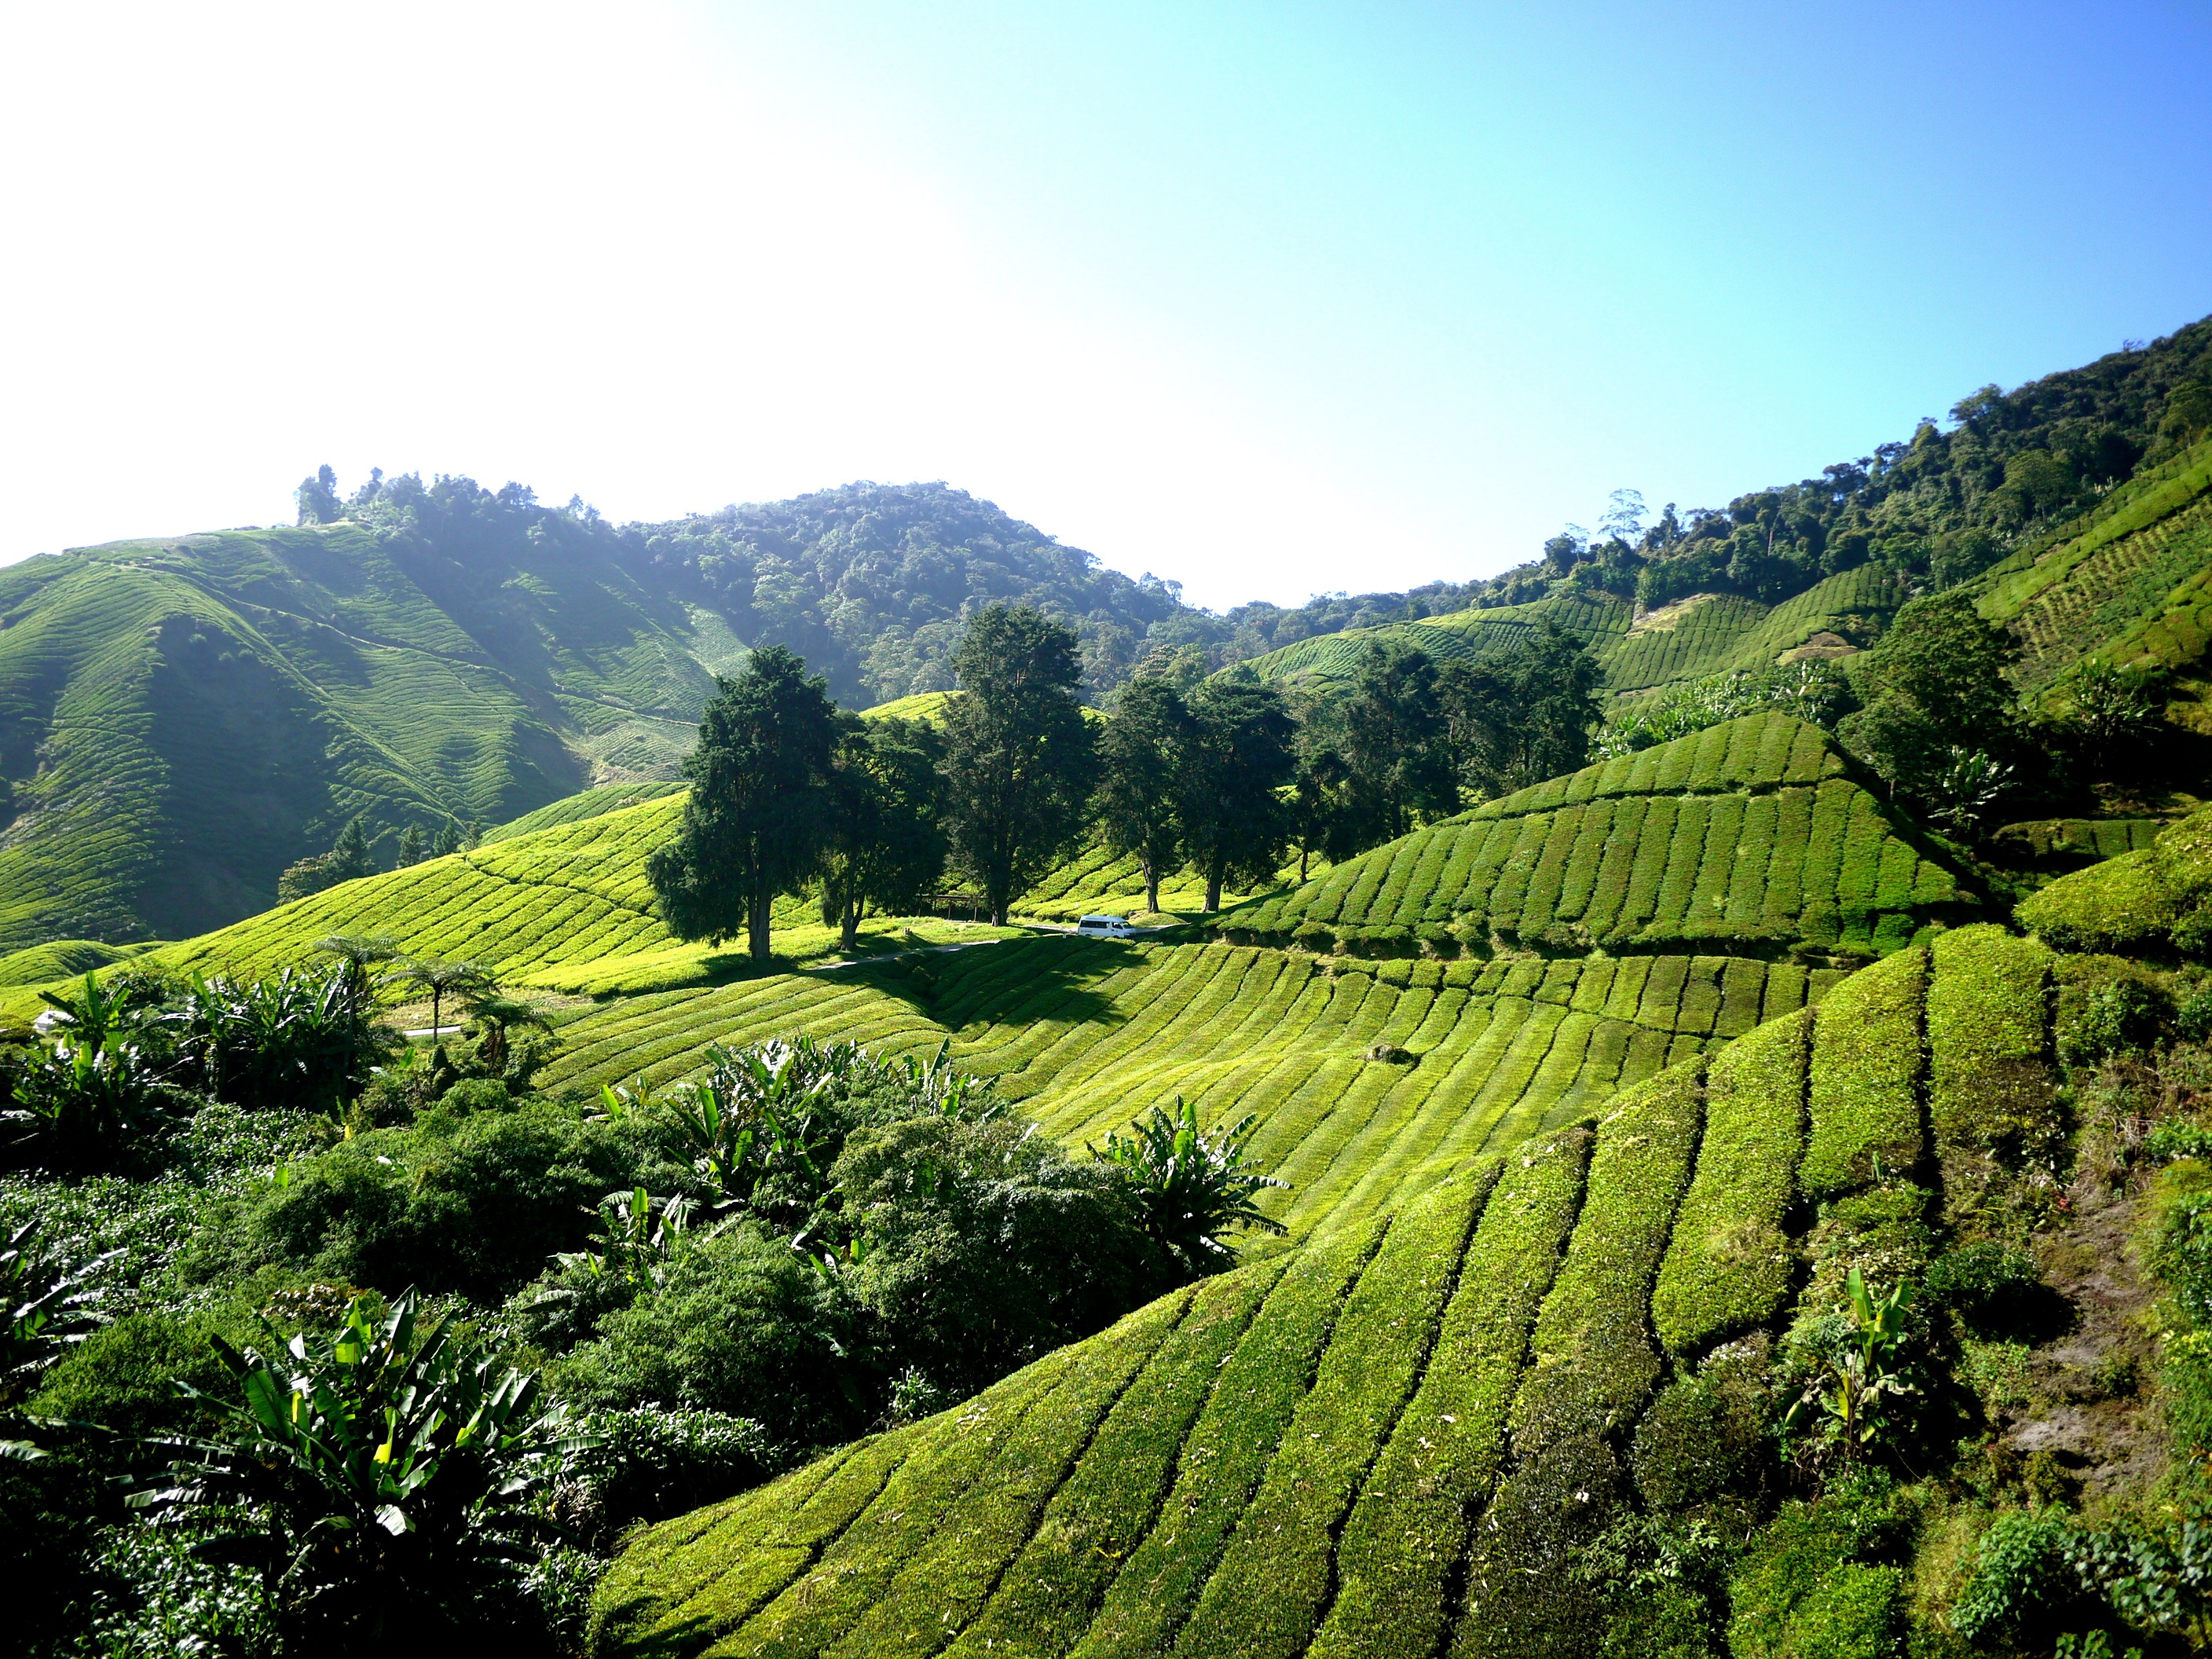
[{"x": 759, "y": 808}]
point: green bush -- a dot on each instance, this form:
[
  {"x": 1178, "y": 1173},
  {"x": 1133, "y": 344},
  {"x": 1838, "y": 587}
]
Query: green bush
[
  {"x": 1705, "y": 1439},
  {"x": 1591, "y": 1359},
  {"x": 2023, "y": 1580},
  {"x": 1815, "y": 1582},
  {"x": 648, "y": 1462},
  {"x": 742, "y": 1327},
  {"x": 1728, "y": 1264},
  {"x": 1864, "y": 1105},
  {"x": 1986, "y": 1285},
  {"x": 474, "y": 1205},
  {"x": 2108, "y": 1006},
  {"x": 1523, "y": 1598},
  {"x": 1990, "y": 1084}
]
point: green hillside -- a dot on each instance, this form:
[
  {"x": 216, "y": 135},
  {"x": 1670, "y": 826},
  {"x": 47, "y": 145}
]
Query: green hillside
[
  {"x": 1746, "y": 836},
  {"x": 586, "y": 803},
  {"x": 1370, "y": 1078},
  {"x": 1393, "y": 1439},
  {"x": 1702, "y": 633}
]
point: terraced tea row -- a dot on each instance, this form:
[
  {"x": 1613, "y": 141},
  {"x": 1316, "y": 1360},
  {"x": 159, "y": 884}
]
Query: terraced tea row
[
  {"x": 1705, "y": 634},
  {"x": 1746, "y": 835},
  {"x": 1381, "y": 1441},
  {"x": 1085, "y": 1035}
]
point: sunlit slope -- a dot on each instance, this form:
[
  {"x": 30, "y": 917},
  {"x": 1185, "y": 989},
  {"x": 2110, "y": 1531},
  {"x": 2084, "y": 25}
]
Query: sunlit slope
[
  {"x": 588, "y": 804},
  {"x": 1745, "y": 836},
  {"x": 1390, "y": 1439},
  {"x": 2130, "y": 583},
  {"x": 180, "y": 719},
  {"x": 1085, "y": 1034},
  {"x": 1705, "y": 634}
]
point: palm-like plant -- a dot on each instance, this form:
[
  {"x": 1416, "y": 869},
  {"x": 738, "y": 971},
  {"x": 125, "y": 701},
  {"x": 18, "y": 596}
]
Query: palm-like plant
[
  {"x": 1854, "y": 1355},
  {"x": 495, "y": 1016},
  {"x": 43, "y": 1309},
  {"x": 378, "y": 1476},
  {"x": 440, "y": 979},
  {"x": 359, "y": 952},
  {"x": 1190, "y": 1187},
  {"x": 302, "y": 1038}
]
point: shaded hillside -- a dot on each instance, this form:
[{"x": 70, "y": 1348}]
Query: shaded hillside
[
  {"x": 1746, "y": 836},
  {"x": 1397, "y": 1438}
]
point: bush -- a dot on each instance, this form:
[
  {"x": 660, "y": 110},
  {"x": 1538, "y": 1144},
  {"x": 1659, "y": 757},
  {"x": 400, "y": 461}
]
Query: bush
[
  {"x": 1990, "y": 1288},
  {"x": 2108, "y": 1006},
  {"x": 1814, "y": 1584},
  {"x": 2023, "y": 1581},
  {"x": 650, "y": 1462},
  {"x": 474, "y": 1205},
  {"x": 1705, "y": 1437},
  {"x": 744, "y": 1326}
]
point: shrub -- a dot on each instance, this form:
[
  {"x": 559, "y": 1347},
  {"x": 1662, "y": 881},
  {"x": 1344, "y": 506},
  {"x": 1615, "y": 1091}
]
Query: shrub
[
  {"x": 1190, "y": 1187},
  {"x": 1988, "y": 1287},
  {"x": 2023, "y": 1580},
  {"x": 1807, "y": 1588},
  {"x": 474, "y": 1205},
  {"x": 379, "y": 1478},
  {"x": 1990, "y": 1084},
  {"x": 744, "y": 1326},
  {"x": 2108, "y": 1006},
  {"x": 1706, "y": 1436},
  {"x": 1867, "y": 1054},
  {"x": 1728, "y": 1264},
  {"x": 649, "y": 1463}
]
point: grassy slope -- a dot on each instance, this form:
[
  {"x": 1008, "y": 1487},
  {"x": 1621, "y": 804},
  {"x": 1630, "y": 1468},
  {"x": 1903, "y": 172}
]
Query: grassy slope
[
  {"x": 180, "y": 720},
  {"x": 1314, "y": 1455},
  {"x": 1085, "y": 1035},
  {"x": 1746, "y": 836},
  {"x": 1706, "y": 634},
  {"x": 586, "y": 804},
  {"x": 2127, "y": 582}
]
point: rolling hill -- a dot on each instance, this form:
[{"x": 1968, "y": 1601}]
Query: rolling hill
[
  {"x": 1392, "y": 1438},
  {"x": 1749, "y": 836},
  {"x": 1702, "y": 633}
]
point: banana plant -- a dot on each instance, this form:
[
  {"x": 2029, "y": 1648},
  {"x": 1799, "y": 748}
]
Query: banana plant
[
  {"x": 1857, "y": 1355},
  {"x": 1189, "y": 1187},
  {"x": 379, "y": 1477},
  {"x": 635, "y": 1236}
]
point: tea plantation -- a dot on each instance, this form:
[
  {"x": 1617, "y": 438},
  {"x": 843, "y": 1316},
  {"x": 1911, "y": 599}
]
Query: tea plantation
[
  {"x": 1747, "y": 836},
  {"x": 1394, "y": 1438},
  {"x": 1085, "y": 1034}
]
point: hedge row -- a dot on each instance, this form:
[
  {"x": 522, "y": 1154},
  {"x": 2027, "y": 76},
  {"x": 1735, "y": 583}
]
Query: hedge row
[
  {"x": 1409, "y": 1527},
  {"x": 1728, "y": 1264},
  {"x": 1228, "y": 1453},
  {"x": 1990, "y": 1083},
  {"x": 1592, "y": 1359},
  {"x": 1051, "y": 1592},
  {"x": 1083, "y": 1037},
  {"x": 2131, "y": 903},
  {"x": 993, "y": 1513},
  {"x": 1868, "y": 1055},
  {"x": 1738, "y": 833},
  {"x": 1273, "y": 1582}
]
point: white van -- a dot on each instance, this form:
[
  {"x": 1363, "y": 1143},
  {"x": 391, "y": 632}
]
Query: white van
[{"x": 1105, "y": 927}]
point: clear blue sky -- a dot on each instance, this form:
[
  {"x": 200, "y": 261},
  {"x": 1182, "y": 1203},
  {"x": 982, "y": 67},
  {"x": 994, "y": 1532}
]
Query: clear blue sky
[{"x": 1268, "y": 299}]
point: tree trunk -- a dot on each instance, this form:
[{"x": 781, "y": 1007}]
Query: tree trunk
[
  {"x": 1152, "y": 886},
  {"x": 1304, "y": 852},
  {"x": 1212, "y": 891},
  {"x": 756, "y": 923},
  {"x": 851, "y": 931}
]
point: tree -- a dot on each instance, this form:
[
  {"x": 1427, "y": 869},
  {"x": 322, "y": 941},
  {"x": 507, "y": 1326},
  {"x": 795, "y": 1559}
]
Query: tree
[
  {"x": 1396, "y": 744},
  {"x": 411, "y": 848},
  {"x": 347, "y": 860},
  {"x": 885, "y": 846},
  {"x": 1316, "y": 802},
  {"x": 1523, "y": 714},
  {"x": 446, "y": 841},
  {"x": 440, "y": 979},
  {"x": 1145, "y": 738},
  {"x": 759, "y": 807},
  {"x": 1236, "y": 758},
  {"x": 1018, "y": 755},
  {"x": 317, "y": 497},
  {"x": 1937, "y": 682}
]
